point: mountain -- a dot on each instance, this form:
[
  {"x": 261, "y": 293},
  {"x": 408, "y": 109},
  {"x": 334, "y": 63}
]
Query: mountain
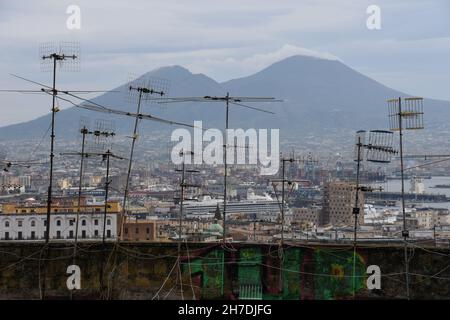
[{"x": 319, "y": 96}]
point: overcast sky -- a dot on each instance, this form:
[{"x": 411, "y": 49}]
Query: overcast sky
[{"x": 224, "y": 40}]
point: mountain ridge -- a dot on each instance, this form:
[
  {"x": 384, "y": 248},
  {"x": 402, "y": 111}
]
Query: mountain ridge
[{"x": 319, "y": 94}]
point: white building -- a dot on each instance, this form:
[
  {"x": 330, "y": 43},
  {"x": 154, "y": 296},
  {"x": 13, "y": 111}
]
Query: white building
[{"x": 32, "y": 226}]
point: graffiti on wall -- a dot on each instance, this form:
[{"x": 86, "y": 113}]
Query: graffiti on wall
[{"x": 274, "y": 273}]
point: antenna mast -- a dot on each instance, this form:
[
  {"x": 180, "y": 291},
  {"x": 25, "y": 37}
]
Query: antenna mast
[
  {"x": 407, "y": 117},
  {"x": 50, "y": 52}
]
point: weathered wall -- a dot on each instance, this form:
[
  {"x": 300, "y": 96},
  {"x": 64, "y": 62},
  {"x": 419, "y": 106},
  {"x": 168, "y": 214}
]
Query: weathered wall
[{"x": 210, "y": 271}]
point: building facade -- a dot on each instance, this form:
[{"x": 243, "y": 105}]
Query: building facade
[
  {"x": 338, "y": 202},
  {"x": 28, "y": 221},
  {"x": 308, "y": 216}
]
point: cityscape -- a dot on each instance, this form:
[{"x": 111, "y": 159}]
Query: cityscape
[{"x": 302, "y": 178}]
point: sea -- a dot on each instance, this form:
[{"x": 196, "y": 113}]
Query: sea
[{"x": 394, "y": 185}]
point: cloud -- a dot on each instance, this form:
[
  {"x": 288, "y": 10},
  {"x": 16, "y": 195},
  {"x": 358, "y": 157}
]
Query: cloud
[
  {"x": 223, "y": 39},
  {"x": 239, "y": 65}
]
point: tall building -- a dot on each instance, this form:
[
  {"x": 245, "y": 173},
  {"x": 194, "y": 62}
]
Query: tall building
[
  {"x": 338, "y": 203},
  {"x": 307, "y": 216}
]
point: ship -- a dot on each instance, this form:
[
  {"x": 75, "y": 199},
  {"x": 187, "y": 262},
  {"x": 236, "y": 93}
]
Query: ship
[{"x": 253, "y": 206}]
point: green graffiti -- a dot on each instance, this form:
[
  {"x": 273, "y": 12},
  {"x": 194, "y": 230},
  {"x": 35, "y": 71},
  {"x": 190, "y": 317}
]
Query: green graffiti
[
  {"x": 291, "y": 276},
  {"x": 249, "y": 272},
  {"x": 333, "y": 277},
  {"x": 301, "y": 273},
  {"x": 210, "y": 269}
]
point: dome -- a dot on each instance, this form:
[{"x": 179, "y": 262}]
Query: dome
[{"x": 215, "y": 228}]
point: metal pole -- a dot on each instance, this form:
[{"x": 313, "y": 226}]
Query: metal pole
[
  {"x": 434, "y": 235},
  {"x": 108, "y": 153},
  {"x": 49, "y": 197},
  {"x": 356, "y": 213},
  {"x": 226, "y": 167},
  {"x": 282, "y": 201},
  {"x": 254, "y": 228},
  {"x": 181, "y": 207},
  {"x": 134, "y": 137},
  {"x": 84, "y": 131},
  {"x": 405, "y": 232}
]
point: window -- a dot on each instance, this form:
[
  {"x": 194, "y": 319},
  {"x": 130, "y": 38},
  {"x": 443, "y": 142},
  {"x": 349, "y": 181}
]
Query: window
[
  {"x": 19, "y": 235},
  {"x": 97, "y": 209},
  {"x": 71, "y": 222},
  {"x": 96, "y": 233},
  {"x": 137, "y": 230},
  {"x": 148, "y": 230},
  {"x": 19, "y": 223},
  {"x": 45, "y": 222},
  {"x": 96, "y": 222},
  {"x": 126, "y": 230},
  {"x": 6, "y": 224},
  {"x": 24, "y": 211},
  {"x": 83, "y": 222},
  {"x": 83, "y": 234},
  {"x": 108, "y": 222},
  {"x": 58, "y": 234},
  {"x": 6, "y": 235},
  {"x": 33, "y": 234},
  {"x": 58, "y": 223},
  {"x": 33, "y": 223},
  {"x": 108, "y": 233},
  {"x": 71, "y": 234}
]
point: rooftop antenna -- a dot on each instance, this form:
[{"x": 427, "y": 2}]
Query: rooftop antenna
[
  {"x": 292, "y": 183},
  {"x": 66, "y": 54},
  {"x": 93, "y": 106},
  {"x": 406, "y": 117},
  {"x": 105, "y": 156},
  {"x": 379, "y": 149},
  {"x": 228, "y": 100},
  {"x": 93, "y": 142},
  {"x": 140, "y": 91},
  {"x": 183, "y": 185}
]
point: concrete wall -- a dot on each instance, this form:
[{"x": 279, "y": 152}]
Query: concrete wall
[{"x": 209, "y": 271}]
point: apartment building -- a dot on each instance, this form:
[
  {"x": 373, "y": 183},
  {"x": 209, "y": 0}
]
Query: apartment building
[
  {"x": 338, "y": 202},
  {"x": 28, "y": 220}
]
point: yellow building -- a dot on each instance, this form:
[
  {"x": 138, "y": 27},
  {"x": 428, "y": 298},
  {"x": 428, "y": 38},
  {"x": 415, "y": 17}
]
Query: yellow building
[{"x": 60, "y": 205}]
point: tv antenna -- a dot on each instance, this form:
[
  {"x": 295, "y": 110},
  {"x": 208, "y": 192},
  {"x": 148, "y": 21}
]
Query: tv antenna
[
  {"x": 93, "y": 106},
  {"x": 293, "y": 184},
  {"x": 408, "y": 116},
  {"x": 64, "y": 56},
  {"x": 94, "y": 142},
  {"x": 379, "y": 149},
  {"x": 139, "y": 91},
  {"x": 227, "y": 100},
  {"x": 183, "y": 185}
]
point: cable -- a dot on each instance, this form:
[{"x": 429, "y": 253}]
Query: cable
[
  {"x": 190, "y": 271},
  {"x": 165, "y": 280}
]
